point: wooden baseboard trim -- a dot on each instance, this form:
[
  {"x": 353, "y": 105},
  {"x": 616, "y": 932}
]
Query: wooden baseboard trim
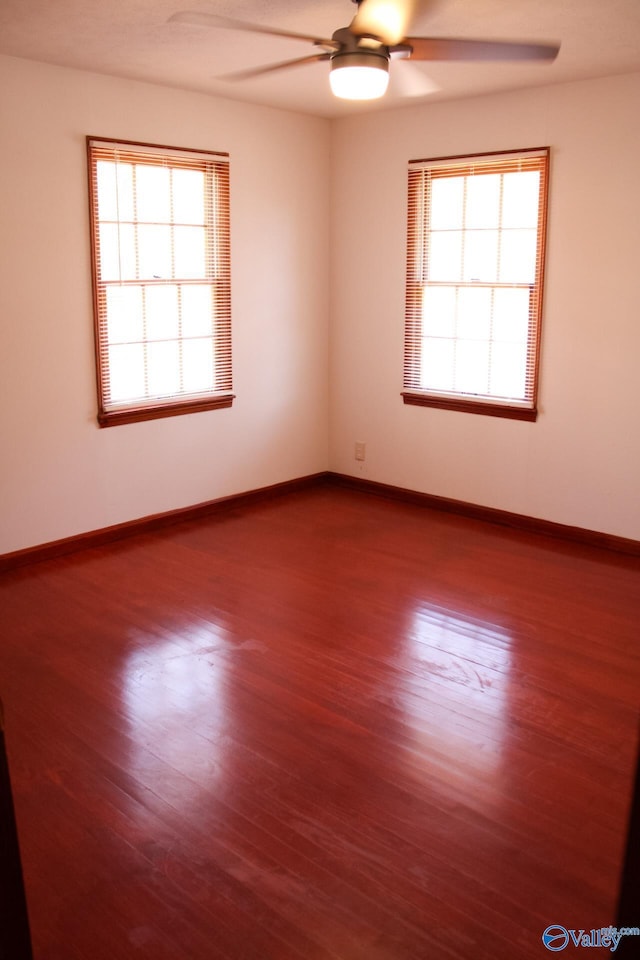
[
  {"x": 517, "y": 521},
  {"x": 120, "y": 531}
]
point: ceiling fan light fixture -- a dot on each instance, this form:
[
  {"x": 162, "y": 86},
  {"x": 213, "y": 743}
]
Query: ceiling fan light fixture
[{"x": 359, "y": 76}]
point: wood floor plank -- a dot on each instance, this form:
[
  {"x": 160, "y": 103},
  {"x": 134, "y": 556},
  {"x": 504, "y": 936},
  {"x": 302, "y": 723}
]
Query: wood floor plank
[{"x": 322, "y": 727}]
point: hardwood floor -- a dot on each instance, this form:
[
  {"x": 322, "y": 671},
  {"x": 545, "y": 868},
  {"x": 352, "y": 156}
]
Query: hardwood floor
[{"x": 324, "y": 726}]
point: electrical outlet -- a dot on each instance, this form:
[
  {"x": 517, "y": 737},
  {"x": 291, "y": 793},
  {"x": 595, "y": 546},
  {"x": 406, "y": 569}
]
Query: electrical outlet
[{"x": 360, "y": 450}]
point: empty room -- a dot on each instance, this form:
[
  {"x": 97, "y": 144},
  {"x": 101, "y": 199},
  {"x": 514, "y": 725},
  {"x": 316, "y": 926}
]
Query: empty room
[{"x": 319, "y": 500}]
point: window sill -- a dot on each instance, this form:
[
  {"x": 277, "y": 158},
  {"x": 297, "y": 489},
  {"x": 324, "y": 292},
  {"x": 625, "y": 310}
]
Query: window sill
[
  {"x": 506, "y": 411},
  {"x": 113, "y": 418}
]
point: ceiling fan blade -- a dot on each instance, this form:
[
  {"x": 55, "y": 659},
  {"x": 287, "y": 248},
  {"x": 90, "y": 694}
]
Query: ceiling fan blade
[
  {"x": 387, "y": 19},
  {"x": 407, "y": 80},
  {"x": 272, "y": 67},
  {"x": 226, "y": 23},
  {"x": 448, "y": 48}
]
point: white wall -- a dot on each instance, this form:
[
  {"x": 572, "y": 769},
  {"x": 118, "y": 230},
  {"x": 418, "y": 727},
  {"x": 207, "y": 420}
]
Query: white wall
[
  {"x": 61, "y": 474},
  {"x": 579, "y": 464}
]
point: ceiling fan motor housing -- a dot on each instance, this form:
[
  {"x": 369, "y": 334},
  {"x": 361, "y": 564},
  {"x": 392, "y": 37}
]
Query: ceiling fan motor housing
[{"x": 361, "y": 50}]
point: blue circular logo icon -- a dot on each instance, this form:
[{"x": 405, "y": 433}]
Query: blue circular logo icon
[{"x": 555, "y": 937}]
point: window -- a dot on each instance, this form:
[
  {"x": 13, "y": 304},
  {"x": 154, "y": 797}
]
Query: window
[
  {"x": 475, "y": 261},
  {"x": 161, "y": 280}
]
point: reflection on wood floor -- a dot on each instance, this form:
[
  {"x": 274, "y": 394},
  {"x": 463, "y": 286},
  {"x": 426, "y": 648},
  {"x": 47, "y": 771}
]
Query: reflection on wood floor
[{"x": 324, "y": 726}]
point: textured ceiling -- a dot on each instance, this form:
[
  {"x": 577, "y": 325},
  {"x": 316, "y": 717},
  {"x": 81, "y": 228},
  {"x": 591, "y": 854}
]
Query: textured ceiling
[{"x": 134, "y": 39}]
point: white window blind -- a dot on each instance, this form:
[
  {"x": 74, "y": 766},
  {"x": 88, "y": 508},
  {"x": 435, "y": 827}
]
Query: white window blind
[
  {"x": 475, "y": 264},
  {"x": 161, "y": 270}
]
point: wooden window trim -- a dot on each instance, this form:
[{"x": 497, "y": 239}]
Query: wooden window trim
[
  {"x": 505, "y": 410},
  {"x": 112, "y": 418},
  {"x": 412, "y": 393},
  {"x": 155, "y": 408}
]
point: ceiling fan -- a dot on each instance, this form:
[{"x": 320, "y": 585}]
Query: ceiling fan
[{"x": 360, "y": 53}]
